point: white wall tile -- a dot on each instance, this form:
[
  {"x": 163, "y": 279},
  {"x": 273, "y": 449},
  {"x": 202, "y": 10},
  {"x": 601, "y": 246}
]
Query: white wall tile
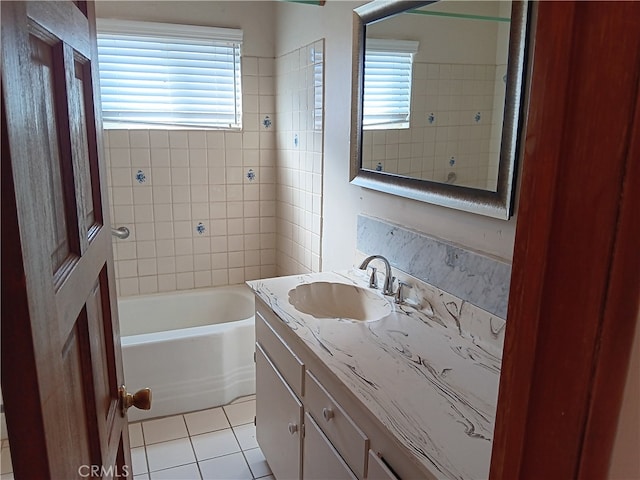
[
  {"x": 167, "y": 283},
  {"x": 140, "y": 157},
  {"x": 160, "y": 157},
  {"x": 220, "y": 277},
  {"x": 166, "y": 265},
  {"x": 148, "y": 284},
  {"x": 178, "y": 139},
  {"x": 202, "y": 279},
  {"x": 119, "y": 139},
  {"x": 128, "y": 286},
  {"x": 196, "y": 177},
  {"x": 300, "y": 149},
  {"x": 185, "y": 281},
  {"x": 159, "y": 138},
  {"x": 197, "y": 139}
]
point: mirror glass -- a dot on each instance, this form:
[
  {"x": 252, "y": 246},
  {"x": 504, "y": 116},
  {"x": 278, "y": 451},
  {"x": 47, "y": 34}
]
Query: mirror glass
[{"x": 437, "y": 101}]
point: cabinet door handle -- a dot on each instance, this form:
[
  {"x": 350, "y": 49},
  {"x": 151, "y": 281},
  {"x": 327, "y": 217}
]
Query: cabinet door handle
[
  {"x": 293, "y": 428},
  {"x": 327, "y": 414}
]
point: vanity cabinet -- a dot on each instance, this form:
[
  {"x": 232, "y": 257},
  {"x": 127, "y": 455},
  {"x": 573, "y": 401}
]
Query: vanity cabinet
[
  {"x": 343, "y": 433},
  {"x": 378, "y": 470},
  {"x": 304, "y": 431},
  {"x": 321, "y": 459},
  {"x": 278, "y": 420}
]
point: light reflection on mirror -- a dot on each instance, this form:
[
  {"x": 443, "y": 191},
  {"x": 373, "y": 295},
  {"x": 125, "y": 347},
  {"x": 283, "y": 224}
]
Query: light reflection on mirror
[{"x": 442, "y": 121}]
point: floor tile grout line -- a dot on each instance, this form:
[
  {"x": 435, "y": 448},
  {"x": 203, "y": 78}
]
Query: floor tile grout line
[
  {"x": 193, "y": 449},
  {"x": 242, "y": 450},
  {"x": 189, "y": 436}
]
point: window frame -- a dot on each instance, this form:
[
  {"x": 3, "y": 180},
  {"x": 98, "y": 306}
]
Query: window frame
[
  {"x": 379, "y": 46},
  {"x": 197, "y": 39}
]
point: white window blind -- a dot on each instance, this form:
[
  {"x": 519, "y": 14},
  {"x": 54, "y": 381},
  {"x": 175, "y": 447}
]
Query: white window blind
[
  {"x": 156, "y": 74},
  {"x": 387, "y": 83}
]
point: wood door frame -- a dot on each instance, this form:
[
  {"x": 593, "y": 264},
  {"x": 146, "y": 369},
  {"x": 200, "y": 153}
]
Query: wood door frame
[{"x": 575, "y": 285}]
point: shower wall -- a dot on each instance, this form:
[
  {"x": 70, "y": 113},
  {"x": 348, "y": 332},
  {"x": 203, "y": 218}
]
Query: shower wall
[
  {"x": 300, "y": 124},
  {"x": 201, "y": 205}
]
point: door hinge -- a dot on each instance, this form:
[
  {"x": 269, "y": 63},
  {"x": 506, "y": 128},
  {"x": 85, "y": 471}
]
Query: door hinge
[
  {"x": 255, "y": 421},
  {"x": 254, "y": 357}
]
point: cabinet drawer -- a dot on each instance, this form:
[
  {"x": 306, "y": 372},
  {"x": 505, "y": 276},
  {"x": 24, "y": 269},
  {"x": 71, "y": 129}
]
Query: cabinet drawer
[
  {"x": 378, "y": 470},
  {"x": 320, "y": 460},
  {"x": 343, "y": 433},
  {"x": 287, "y": 363}
]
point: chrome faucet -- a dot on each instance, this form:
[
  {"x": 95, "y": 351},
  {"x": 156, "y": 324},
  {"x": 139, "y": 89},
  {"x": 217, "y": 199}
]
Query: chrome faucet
[{"x": 387, "y": 288}]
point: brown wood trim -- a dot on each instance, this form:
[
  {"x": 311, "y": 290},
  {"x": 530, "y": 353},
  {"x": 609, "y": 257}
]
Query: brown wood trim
[
  {"x": 582, "y": 103},
  {"x": 619, "y": 323},
  {"x": 538, "y": 181}
]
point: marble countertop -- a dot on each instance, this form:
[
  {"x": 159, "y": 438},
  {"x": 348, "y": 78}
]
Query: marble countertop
[{"x": 434, "y": 387}]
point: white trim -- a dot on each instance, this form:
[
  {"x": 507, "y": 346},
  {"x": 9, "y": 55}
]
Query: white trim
[
  {"x": 164, "y": 30},
  {"x": 389, "y": 45}
]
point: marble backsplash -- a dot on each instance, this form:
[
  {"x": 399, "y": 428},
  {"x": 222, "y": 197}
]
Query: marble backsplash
[{"x": 473, "y": 278}]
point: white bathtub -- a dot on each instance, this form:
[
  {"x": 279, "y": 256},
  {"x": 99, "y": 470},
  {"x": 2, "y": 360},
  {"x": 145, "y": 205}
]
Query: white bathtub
[{"x": 193, "y": 349}]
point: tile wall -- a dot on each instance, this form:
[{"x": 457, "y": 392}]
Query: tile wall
[
  {"x": 456, "y": 120},
  {"x": 201, "y": 205},
  {"x": 300, "y": 116}
]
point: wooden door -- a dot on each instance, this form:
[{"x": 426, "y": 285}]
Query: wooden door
[
  {"x": 575, "y": 284},
  {"x": 61, "y": 357}
]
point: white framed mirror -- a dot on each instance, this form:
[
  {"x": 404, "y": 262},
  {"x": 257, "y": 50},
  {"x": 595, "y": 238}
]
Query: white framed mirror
[{"x": 438, "y": 101}]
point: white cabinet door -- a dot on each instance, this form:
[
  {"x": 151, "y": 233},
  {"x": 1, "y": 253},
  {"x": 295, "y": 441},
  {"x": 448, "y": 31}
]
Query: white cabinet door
[
  {"x": 321, "y": 460},
  {"x": 278, "y": 420},
  {"x": 378, "y": 470}
]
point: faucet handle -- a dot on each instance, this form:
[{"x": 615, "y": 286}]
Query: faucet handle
[
  {"x": 373, "y": 279},
  {"x": 399, "y": 295}
]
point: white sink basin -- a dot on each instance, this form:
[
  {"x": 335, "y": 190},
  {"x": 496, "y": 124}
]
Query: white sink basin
[{"x": 339, "y": 300}]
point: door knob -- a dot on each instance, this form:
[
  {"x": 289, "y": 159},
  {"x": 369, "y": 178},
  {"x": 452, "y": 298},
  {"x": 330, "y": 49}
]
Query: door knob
[
  {"x": 327, "y": 414},
  {"x": 293, "y": 428},
  {"x": 141, "y": 399}
]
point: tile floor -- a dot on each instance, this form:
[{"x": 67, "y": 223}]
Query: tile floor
[
  {"x": 6, "y": 470},
  {"x": 215, "y": 444}
]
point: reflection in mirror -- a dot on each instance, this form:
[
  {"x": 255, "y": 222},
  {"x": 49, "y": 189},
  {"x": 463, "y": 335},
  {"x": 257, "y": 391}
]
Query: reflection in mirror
[
  {"x": 437, "y": 97},
  {"x": 455, "y": 80}
]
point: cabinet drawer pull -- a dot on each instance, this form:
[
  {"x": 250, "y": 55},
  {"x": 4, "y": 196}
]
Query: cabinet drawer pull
[
  {"x": 293, "y": 428},
  {"x": 327, "y": 414}
]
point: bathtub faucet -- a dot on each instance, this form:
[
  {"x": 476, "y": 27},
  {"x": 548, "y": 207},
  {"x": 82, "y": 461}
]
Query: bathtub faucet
[{"x": 387, "y": 288}]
